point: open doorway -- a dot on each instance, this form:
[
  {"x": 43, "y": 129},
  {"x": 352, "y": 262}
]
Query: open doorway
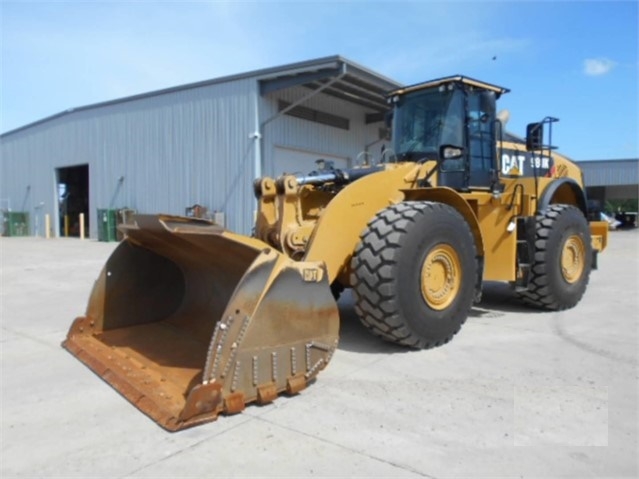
[{"x": 73, "y": 199}]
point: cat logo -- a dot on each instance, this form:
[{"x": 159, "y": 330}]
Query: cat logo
[
  {"x": 512, "y": 164},
  {"x": 520, "y": 163},
  {"x": 310, "y": 275}
]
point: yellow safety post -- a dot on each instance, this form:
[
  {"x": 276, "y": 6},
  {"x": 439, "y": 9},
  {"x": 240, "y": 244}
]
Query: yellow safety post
[
  {"x": 47, "y": 226},
  {"x": 81, "y": 225},
  {"x": 66, "y": 226}
]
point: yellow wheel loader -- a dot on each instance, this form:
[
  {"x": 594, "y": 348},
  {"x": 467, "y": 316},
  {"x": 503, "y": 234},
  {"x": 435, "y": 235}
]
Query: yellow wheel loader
[{"x": 188, "y": 320}]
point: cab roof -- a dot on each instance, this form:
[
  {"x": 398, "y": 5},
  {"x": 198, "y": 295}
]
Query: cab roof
[{"x": 448, "y": 80}]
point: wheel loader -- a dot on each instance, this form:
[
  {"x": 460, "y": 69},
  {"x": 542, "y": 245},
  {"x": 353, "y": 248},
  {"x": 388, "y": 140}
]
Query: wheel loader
[{"x": 188, "y": 320}]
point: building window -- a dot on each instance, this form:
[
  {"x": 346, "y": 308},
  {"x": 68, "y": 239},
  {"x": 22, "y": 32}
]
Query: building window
[{"x": 317, "y": 116}]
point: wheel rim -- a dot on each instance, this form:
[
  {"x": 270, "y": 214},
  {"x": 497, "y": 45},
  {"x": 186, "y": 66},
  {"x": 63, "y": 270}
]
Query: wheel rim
[
  {"x": 441, "y": 277},
  {"x": 573, "y": 259}
]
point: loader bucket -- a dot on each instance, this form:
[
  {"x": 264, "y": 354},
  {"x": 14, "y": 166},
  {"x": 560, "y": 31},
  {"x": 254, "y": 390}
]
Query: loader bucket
[{"x": 187, "y": 321}]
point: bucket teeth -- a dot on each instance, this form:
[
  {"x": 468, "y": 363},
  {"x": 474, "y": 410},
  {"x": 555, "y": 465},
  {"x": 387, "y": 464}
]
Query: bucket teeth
[
  {"x": 234, "y": 403},
  {"x": 255, "y": 376},
  {"x": 203, "y": 399},
  {"x": 266, "y": 393}
]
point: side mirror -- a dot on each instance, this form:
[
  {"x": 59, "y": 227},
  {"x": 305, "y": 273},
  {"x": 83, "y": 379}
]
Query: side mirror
[{"x": 534, "y": 136}]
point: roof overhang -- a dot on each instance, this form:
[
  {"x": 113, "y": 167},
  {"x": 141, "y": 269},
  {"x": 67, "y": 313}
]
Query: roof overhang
[{"x": 336, "y": 77}]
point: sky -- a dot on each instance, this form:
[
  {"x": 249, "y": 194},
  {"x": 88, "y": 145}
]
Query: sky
[{"x": 574, "y": 60}]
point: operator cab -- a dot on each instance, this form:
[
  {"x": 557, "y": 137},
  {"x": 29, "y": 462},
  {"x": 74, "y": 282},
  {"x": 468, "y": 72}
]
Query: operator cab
[{"x": 453, "y": 121}]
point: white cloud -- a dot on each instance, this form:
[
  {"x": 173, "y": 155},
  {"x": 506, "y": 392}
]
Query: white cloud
[{"x": 598, "y": 66}]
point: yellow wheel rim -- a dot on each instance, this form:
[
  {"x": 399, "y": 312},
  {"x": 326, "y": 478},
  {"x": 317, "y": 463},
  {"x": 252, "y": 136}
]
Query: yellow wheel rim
[
  {"x": 441, "y": 277},
  {"x": 573, "y": 259}
]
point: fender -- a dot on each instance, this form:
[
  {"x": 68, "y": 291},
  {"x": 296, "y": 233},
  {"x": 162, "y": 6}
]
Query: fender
[
  {"x": 566, "y": 191},
  {"x": 454, "y": 199},
  {"x": 340, "y": 225}
]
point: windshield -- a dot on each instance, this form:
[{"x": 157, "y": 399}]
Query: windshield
[{"x": 425, "y": 121}]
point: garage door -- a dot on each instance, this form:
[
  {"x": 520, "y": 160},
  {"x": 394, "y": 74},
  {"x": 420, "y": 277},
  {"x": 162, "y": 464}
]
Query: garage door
[{"x": 292, "y": 161}]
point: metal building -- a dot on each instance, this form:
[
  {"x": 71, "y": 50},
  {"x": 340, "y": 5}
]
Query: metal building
[
  {"x": 202, "y": 143},
  {"x": 611, "y": 179}
]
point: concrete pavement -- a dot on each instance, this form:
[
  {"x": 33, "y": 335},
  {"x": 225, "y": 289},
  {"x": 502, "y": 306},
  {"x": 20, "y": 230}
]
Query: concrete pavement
[{"x": 518, "y": 393}]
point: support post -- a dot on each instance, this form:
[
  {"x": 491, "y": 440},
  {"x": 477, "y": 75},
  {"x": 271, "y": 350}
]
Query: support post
[{"x": 81, "y": 226}]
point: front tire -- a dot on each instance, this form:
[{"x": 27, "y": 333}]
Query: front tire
[
  {"x": 563, "y": 259},
  {"x": 414, "y": 273}
]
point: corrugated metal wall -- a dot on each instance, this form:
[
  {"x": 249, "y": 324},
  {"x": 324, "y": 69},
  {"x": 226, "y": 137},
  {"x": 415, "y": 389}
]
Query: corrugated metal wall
[
  {"x": 173, "y": 150},
  {"x": 610, "y": 172},
  {"x": 290, "y": 132}
]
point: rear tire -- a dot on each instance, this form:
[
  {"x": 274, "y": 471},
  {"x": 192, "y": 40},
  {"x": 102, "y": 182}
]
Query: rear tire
[
  {"x": 563, "y": 259},
  {"x": 414, "y": 273}
]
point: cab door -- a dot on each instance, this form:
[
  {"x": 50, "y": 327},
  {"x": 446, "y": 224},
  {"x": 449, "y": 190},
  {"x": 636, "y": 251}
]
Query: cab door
[{"x": 480, "y": 134}]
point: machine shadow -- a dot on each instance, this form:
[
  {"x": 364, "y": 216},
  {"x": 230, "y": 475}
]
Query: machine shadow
[
  {"x": 353, "y": 335},
  {"x": 498, "y": 299}
]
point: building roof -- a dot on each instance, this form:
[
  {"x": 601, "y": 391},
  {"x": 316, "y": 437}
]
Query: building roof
[
  {"x": 333, "y": 75},
  {"x": 610, "y": 172}
]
